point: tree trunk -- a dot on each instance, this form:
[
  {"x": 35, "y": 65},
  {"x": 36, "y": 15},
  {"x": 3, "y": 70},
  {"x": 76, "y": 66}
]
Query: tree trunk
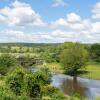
[
  {"x": 75, "y": 79},
  {"x": 75, "y": 84}
]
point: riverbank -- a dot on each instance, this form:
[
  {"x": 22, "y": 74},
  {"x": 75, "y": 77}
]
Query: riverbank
[{"x": 93, "y": 69}]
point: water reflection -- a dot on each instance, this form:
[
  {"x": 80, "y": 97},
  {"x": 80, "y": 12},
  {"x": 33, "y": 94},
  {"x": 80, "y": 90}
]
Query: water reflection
[
  {"x": 84, "y": 87},
  {"x": 71, "y": 88}
]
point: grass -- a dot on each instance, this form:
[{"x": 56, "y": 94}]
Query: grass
[
  {"x": 54, "y": 67},
  {"x": 93, "y": 68}
]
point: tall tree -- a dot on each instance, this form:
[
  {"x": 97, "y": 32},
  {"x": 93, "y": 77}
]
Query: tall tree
[{"x": 73, "y": 60}]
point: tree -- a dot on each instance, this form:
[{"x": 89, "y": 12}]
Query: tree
[
  {"x": 6, "y": 62},
  {"x": 95, "y": 52},
  {"x": 73, "y": 60}
]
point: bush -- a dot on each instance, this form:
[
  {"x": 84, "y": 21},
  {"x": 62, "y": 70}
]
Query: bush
[
  {"x": 6, "y": 62},
  {"x": 22, "y": 85},
  {"x": 16, "y": 81}
]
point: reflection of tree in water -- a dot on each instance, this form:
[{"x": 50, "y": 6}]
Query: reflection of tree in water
[{"x": 72, "y": 88}]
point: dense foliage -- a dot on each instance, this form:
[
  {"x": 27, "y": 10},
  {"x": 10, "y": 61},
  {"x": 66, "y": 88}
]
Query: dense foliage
[
  {"x": 6, "y": 63},
  {"x": 21, "y": 83},
  {"x": 24, "y": 85},
  {"x": 73, "y": 59},
  {"x": 95, "y": 52}
]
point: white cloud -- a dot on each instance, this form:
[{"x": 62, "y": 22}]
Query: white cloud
[
  {"x": 20, "y": 36},
  {"x": 2, "y": 18},
  {"x": 96, "y": 28},
  {"x": 80, "y": 26},
  {"x": 58, "y": 3},
  {"x": 72, "y": 22},
  {"x": 77, "y": 29},
  {"x": 96, "y": 11},
  {"x": 20, "y": 14},
  {"x": 73, "y": 17},
  {"x": 60, "y": 22},
  {"x": 69, "y": 28},
  {"x": 55, "y": 36}
]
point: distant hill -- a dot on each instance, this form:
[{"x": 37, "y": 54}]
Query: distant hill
[{"x": 29, "y": 44}]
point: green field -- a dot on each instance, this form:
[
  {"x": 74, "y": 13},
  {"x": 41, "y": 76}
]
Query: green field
[
  {"x": 92, "y": 67},
  {"x": 94, "y": 70}
]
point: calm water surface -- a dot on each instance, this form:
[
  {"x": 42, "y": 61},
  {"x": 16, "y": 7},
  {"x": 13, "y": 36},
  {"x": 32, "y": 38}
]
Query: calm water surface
[{"x": 85, "y": 87}]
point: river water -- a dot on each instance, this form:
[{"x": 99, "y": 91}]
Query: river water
[{"x": 84, "y": 87}]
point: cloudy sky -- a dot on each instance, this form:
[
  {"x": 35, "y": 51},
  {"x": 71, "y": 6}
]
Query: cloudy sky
[{"x": 50, "y": 21}]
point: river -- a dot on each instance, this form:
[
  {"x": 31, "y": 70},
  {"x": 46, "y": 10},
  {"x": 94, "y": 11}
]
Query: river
[{"x": 85, "y": 87}]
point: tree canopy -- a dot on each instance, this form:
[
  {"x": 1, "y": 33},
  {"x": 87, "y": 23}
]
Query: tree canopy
[
  {"x": 73, "y": 59},
  {"x": 95, "y": 52}
]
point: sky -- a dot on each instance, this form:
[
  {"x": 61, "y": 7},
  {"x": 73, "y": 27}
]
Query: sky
[{"x": 50, "y": 21}]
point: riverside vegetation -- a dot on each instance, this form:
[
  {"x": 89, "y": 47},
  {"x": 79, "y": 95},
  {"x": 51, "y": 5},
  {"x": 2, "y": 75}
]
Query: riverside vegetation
[{"x": 19, "y": 82}]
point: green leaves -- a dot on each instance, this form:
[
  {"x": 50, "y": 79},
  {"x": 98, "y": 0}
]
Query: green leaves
[
  {"x": 21, "y": 82},
  {"x": 6, "y": 62},
  {"x": 95, "y": 52},
  {"x": 74, "y": 58}
]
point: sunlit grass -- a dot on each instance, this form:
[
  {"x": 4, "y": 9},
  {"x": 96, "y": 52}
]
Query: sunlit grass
[
  {"x": 92, "y": 67},
  {"x": 94, "y": 70},
  {"x": 54, "y": 67}
]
